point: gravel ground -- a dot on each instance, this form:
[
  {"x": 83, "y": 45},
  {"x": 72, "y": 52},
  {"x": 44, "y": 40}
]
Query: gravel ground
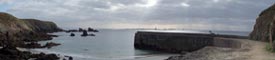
[{"x": 250, "y": 50}]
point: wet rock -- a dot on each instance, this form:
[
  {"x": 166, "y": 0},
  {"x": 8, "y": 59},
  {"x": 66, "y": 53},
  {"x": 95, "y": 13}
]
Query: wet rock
[
  {"x": 69, "y": 57},
  {"x": 53, "y": 35},
  {"x": 51, "y": 44}
]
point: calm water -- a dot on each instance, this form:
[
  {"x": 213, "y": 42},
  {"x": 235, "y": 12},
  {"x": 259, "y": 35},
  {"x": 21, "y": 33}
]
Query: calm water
[{"x": 106, "y": 45}]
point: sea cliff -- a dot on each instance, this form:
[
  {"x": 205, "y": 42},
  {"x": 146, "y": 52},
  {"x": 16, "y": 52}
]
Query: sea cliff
[
  {"x": 264, "y": 26},
  {"x": 25, "y": 33},
  {"x": 10, "y": 23}
]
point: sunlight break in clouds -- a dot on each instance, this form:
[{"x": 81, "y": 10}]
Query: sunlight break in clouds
[
  {"x": 185, "y": 4},
  {"x": 148, "y": 4}
]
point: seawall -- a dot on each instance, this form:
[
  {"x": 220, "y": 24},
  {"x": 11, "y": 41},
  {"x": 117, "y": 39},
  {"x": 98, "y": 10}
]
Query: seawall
[{"x": 180, "y": 42}]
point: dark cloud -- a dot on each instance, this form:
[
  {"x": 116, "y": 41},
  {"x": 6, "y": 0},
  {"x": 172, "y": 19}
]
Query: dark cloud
[{"x": 189, "y": 14}]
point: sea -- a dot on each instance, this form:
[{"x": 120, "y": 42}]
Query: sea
[{"x": 108, "y": 44}]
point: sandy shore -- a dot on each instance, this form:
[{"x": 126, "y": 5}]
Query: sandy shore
[{"x": 250, "y": 50}]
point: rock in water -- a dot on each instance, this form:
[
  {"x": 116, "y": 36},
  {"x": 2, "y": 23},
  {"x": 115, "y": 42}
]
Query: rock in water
[
  {"x": 85, "y": 33},
  {"x": 72, "y": 34},
  {"x": 263, "y": 24},
  {"x": 92, "y": 30},
  {"x": 80, "y": 30}
]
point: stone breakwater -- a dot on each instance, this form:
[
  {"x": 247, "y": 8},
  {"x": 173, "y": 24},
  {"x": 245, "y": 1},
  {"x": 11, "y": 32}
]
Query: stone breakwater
[{"x": 180, "y": 42}]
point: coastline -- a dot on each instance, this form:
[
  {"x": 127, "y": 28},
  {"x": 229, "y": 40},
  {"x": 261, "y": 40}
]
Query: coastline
[{"x": 250, "y": 50}]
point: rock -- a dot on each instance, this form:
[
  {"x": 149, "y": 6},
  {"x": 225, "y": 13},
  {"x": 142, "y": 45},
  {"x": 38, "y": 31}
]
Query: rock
[
  {"x": 68, "y": 31},
  {"x": 14, "y": 54},
  {"x": 9, "y": 51},
  {"x": 37, "y": 45},
  {"x": 34, "y": 37},
  {"x": 264, "y": 23},
  {"x": 72, "y": 34},
  {"x": 32, "y": 45},
  {"x": 48, "y": 57},
  {"x": 92, "y": 30},
  {"x": 81, "y": 30},
  {"x": 69, "y": 57},
  {"x": 41, "y": 26},
  {"x": 21, "y": 31},
  {"x": 51, "y": 44},
  {"x": 38, "y": 55},
  {"x": 85, "y": 33}
]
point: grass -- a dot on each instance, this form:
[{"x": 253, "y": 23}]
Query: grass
[{"x": 269, "y": 48}]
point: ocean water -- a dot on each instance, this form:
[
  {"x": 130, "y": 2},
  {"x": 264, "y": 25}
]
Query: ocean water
[{"x": 106, "y": 45}]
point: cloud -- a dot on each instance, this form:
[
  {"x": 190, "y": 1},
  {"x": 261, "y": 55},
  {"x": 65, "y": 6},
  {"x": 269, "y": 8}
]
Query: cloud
[
  {"x": 187, "y": 14},
  {"x": 185, "y": 4}
]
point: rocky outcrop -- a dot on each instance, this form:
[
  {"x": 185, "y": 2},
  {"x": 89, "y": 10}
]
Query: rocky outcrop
[
  {"x": 41, "y": 26},
  {"x": 26, "y": 29},
  {"x": 264, "y": 25},
  {"x": 11, "y": 23},
  {"x": 15, "y": 54},
  {"x": 16, "y": 32}
]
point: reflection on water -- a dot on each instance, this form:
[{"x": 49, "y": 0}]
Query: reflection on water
[{"x": 107, "y": 44}]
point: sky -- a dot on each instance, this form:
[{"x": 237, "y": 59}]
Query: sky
[{"x": 230, "y": 15}]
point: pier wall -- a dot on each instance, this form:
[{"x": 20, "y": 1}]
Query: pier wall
[{"x": 178, "y": 42}]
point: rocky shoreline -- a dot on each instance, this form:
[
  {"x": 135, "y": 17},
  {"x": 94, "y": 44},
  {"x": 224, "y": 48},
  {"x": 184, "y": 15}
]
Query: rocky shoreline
[{"x": 25, "y": 33}]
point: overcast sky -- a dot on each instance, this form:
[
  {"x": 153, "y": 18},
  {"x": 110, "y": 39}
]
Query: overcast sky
[{"x": 237, "y": 15}]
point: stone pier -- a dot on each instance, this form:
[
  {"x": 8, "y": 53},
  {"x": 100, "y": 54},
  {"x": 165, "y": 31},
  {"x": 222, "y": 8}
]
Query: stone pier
[{"x": 178, "y": 42}]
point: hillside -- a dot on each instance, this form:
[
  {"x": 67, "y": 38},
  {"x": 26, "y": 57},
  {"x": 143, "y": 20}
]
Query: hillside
[
  {"x": 10, "y": 23},
  {"x": 264, "y": 25}
]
